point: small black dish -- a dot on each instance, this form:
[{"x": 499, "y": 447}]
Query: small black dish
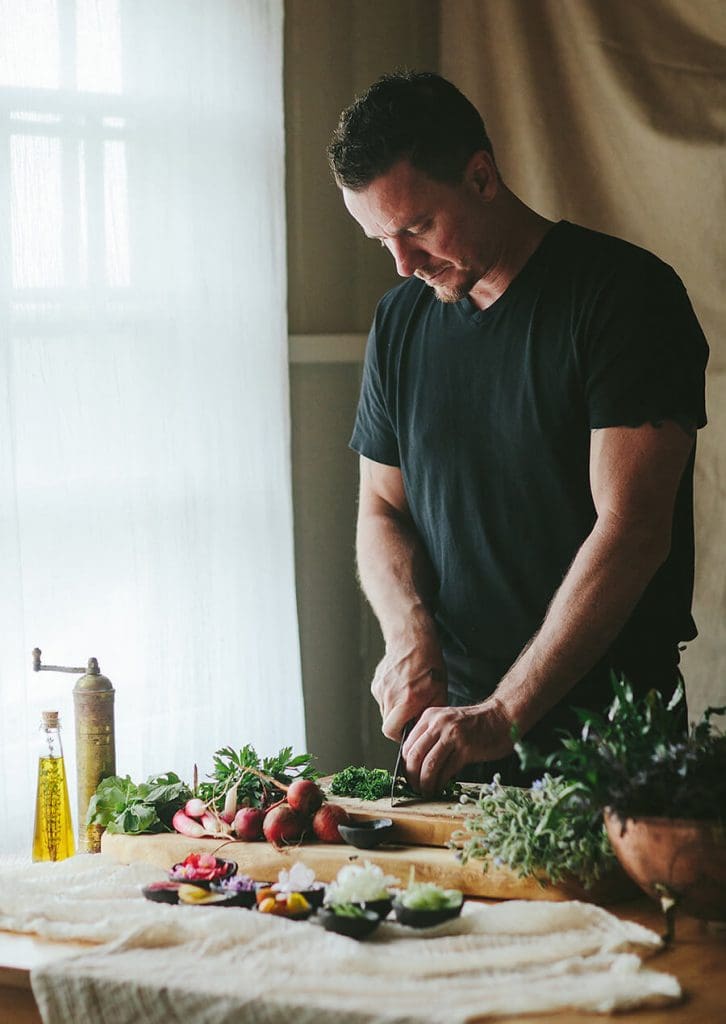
[
  {"x": 238, "y": 890},
  {"x": 245, "y": 898},
  {"x": 367, "y": 834},
  {"x": 162, "y": 892},
  {"x": 381, "y": 907},
  {"x": 314, "y": 895},
  {"x": 424, "y": 918},
  {"x": 352, "y": 927},
  {"x": 229, "y": 867}
]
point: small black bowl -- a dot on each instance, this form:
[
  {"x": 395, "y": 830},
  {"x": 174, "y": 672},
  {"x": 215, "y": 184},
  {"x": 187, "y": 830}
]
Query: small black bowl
[
  {"x": 381, "y": 907},
  {"x": 314, "y": 895},
  {"x": 235, "y": 895},
  {"x": 229, "y": 868},
  {"x": 162, "y": 892},
  {"x": 246, "y": 898},
  {"x": 367, "y": 834},
  {"x": 424, "y": 918},
  {"x": 353, "y": 927}
]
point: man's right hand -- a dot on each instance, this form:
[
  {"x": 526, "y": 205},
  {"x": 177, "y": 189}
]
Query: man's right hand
[{"x": 410, "y": 677}]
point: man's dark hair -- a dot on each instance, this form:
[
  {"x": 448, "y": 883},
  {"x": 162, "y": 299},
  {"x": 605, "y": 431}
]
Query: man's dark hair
[{"x": 412, "y": 115}]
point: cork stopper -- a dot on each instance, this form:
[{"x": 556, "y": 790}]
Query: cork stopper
[{"x": 50, "y": 719}]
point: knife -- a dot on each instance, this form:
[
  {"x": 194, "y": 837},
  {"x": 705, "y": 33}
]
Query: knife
[{"x": 406, "y": 730}]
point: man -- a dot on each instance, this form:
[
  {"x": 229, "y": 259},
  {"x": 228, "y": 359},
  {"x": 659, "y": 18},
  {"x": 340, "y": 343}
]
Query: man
[{"x": 526, "y": 431}]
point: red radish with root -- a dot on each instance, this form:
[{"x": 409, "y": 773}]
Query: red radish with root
[
  {"x": 247, "y": 824},
  {"x": 326, "y": 821},
  {"x": 195, "y": 807},
  {"x": 188, "y": 826},
  {"x": 304, "y": 796},
  {"x": 283, "y": 825}
]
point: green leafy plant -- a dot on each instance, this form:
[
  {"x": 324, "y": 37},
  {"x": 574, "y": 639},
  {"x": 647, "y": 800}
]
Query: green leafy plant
[
  {"x": 254, "y": 778},
  {"x": 637, "y": 760},
  {"x": 119, "y": 805},
  {"x": 546, "y": 832}
]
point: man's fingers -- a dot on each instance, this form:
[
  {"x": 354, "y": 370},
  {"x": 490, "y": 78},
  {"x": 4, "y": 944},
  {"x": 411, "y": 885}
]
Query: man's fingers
[
  {"x": 437, "y": 770},
  {"x": 394, "y": 722}
]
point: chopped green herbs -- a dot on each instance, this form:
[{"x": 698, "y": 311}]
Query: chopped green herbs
[
  {"x": 375, "y": 783},
  {"x": 362, "y": 783}
]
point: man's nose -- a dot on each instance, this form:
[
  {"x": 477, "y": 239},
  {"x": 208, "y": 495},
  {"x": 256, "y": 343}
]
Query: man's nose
[{"x": 405, "y": 253}]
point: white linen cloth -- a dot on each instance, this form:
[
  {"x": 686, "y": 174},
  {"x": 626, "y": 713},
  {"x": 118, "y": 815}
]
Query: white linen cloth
[{"x": 162, "y": 964}]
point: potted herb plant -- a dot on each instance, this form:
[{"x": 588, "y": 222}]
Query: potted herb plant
[{"x": 662, "y": 793}]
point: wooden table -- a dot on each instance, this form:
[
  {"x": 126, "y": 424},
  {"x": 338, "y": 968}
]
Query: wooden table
[{"x": 697, "y": 959}]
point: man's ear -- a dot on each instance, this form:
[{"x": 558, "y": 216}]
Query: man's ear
[{"x": 481, "y": 173}]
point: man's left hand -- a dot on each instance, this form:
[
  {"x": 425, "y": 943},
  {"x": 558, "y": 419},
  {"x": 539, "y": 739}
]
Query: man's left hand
[{"x": 444, "y": 740}]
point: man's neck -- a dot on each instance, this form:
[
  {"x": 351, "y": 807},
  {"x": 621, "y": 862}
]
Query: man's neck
[{"x": 522, "y": 231}]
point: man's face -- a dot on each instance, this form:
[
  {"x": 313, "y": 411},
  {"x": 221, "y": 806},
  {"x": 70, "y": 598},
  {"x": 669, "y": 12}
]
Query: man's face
[{"x": 434, "y": 231}]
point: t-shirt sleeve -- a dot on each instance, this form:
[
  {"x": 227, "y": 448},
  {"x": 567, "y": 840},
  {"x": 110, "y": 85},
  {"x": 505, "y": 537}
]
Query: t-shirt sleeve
[
  {"x": 373, "y": 432},
  {"x": 645, "y": 352}
]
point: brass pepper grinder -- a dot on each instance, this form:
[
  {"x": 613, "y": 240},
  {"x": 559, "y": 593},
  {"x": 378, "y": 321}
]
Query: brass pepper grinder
[{"x": 95, "y": 741}]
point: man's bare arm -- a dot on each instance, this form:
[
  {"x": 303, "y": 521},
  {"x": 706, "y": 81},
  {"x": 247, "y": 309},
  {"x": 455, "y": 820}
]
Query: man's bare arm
[
  {"x": 634, "y": 473},
  {"x": 397, "y": 579}
]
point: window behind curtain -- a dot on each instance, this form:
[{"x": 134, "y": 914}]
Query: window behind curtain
[{"x": 145, "y": 506}]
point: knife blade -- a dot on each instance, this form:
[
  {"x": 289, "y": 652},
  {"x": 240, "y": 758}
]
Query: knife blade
[{"x": 404, "y": 735}]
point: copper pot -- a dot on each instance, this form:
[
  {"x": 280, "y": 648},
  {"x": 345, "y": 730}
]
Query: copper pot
[{"x": 676, "y": 860}]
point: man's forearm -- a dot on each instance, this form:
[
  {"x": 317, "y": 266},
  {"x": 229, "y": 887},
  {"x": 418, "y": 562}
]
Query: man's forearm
[
  {"x": 597, "y": 596},
  {"x": 394, "y": 571}
]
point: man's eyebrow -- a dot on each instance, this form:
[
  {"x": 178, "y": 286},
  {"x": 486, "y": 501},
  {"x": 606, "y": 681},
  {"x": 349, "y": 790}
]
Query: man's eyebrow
[{"x": 416, "y": 222}]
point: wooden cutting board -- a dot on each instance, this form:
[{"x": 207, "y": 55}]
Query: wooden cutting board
[
  {"x": 262, "y": 862},
  {"x": 415, "y": 822}
]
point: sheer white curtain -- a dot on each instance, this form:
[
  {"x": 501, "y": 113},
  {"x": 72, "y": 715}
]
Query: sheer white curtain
[{"x": 145, "y": 497}]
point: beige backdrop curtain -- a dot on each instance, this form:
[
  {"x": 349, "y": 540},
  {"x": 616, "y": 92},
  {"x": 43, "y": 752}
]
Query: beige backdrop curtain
[{"x": 612, "y": 114}]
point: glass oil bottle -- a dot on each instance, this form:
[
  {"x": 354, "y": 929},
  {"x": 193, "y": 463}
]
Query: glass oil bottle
[{"x": 53, "y": 832}]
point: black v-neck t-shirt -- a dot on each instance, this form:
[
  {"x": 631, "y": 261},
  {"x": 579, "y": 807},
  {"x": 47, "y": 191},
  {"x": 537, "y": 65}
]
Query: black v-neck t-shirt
[{"x": 488, "y": 414}]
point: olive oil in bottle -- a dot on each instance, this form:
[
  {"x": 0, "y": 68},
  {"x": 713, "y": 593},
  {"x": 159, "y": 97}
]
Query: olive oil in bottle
[{"x": 53, "y": 832}]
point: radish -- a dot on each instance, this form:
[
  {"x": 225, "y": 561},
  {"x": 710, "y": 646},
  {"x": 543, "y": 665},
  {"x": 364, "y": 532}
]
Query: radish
[
  {"x": 195, "y": 807},
  {"x": 230, "y": 805},
  {"x": 304, "y": 796},
  {"x": 283, "y": 825},
  {"x": 326, "y": 821},
  {"x": 188, "y": 826},
  {"x": 212, "y": 822},
  {"x": 247, "y": 823}
]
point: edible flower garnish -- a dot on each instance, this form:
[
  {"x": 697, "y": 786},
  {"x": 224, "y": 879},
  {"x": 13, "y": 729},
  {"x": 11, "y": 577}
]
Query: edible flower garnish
[
  {"x": 359, "y": 883},
  {"x": 237, "y": 883},
  {"x": 298, "y": 879},
  {"x": 200, "y": 867}
]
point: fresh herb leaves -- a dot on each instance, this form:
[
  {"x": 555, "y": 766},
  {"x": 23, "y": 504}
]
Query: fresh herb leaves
[
  {"x": 254, "y": 777},
  {"x": 638, "y": 760},
  {"x": 544, "y": 832},
  {"x": 121, "y": 806},
  {"x": 375, "y": 783},
  {"x": 362, "y": 783}
]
